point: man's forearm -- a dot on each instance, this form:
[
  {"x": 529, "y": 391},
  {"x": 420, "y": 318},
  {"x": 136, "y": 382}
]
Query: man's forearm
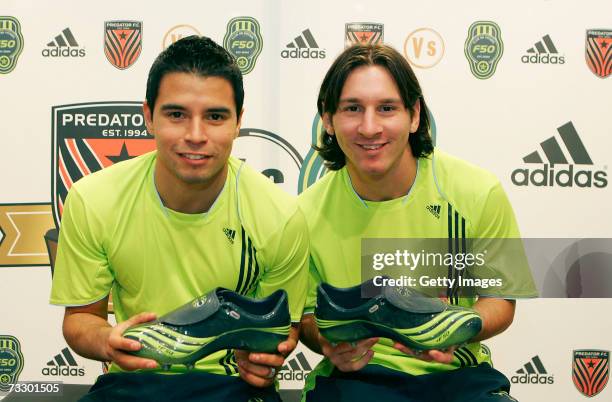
[
  {"x": 496, "y": 314},
  {"x": 87, "y": 335},
  {"x": 309, "y": 333}
]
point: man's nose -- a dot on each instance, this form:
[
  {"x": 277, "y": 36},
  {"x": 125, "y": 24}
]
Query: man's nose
[
  {"x": 196, "y": 132},
  {"x": 370, "y": 124}
]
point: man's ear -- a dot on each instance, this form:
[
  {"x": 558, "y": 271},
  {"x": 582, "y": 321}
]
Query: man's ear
[
  {"x": 416, "y": 116},
  {"x": 327, "y": 123},
  {"x": 148, "y": 116},
  {"x": 239, "y": 123}
]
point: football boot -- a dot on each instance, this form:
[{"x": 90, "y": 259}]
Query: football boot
[
  {"x": 402, "y": 314},
  {"x": 221, "y": 319}
]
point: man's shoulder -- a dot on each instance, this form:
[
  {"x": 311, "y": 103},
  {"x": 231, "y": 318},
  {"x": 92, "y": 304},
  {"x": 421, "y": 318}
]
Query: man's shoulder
[
  {"x": 460, "y": 177},
  {"x": 312, "y": 198},
  {"x": 464, "y": 185},
  {"x": 261, "y": 202},
  {"x": 114, "y": 181}
]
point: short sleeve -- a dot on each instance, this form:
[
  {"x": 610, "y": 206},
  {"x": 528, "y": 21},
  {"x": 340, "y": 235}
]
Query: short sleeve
[
  {"x": 497, "y": 236},
  {"x": 314, "y": 279},
  {"x": 82, "y": 274},
  {"x": 287, "y": 255}
]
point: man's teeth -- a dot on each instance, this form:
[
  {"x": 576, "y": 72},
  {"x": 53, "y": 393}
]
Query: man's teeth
[
  {"x": 371, "y": 146},
  {"x": 194, "y": 157}
]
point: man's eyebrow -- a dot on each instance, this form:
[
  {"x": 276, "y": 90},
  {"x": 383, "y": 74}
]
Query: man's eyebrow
[
  {"x": 172, "y": 106},
  {"x": 349, "y": 100},
  {"x": 357, "y": 100},
  {"x": 219, "y": 110}
]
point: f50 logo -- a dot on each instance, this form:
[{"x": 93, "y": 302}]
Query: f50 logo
[
  {"x": 489, "y": 49},
  {"x": 243, "y": 44},
  {"x": 243, "y": 40},
  {"x": 7, "y": 43},
  {"x": 8, "y": 362}
]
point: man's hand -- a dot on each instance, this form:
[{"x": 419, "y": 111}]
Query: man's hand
[
  {"x": 349, "y": 356},
  {"x": 117, "y": 346},
  {"x": 260, "y": 369},
  {"x": 434, "y": 355},
  {"x": 88, "y": 333},
  {"x": 345, "y": 356}
]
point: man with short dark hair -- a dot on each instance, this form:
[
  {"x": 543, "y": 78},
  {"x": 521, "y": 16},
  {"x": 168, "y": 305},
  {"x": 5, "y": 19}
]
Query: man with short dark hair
[
  {"x": 385, "y": 173},
  {"x": 172, "y": 225}
]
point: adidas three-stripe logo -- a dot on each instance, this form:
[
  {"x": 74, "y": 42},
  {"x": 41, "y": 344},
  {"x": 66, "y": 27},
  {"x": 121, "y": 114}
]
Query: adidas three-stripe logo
[
  {"x": 543, "y": 52},
  {"x": 296, "y": 369},
  {"x": 539, "y": 46},
  {"x": 63, "y": 45},
  {"x": 532, "y": 372},
  {"x": 305, "y": 40},
  {"x": 434, "y": 209},
  {"x": 65, "y": 358},
  {"x": 303, "y": 46},
  {"x": 63, "y": 364},
  {"x": 531, "y": 367},
  {"x": 299, "y": 362},
  {"x": 64, "y": 39},
  {"x": 230, "y": 234},
  {"x": 555, "y": 154}
]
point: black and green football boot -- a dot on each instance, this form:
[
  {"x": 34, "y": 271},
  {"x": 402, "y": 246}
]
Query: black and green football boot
[
  {"x": 401, "y": 314},
  {"x": 221, "y": 319}
]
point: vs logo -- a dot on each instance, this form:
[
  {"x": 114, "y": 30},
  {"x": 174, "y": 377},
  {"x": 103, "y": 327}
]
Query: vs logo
[{"x": 424, "y": 48}]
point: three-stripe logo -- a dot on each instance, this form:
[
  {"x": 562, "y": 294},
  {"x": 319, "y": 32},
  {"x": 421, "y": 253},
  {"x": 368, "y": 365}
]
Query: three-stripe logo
[
  {"x": 543, "y": 52},
  {"x": 533, "y": 372},
  {"x": 303, "y": 46},
  {"x": 63, "y": 45},
  {"x": 63, "y": 364},
  {"x": 435, "y": 210},
  {"x": 547, "y": 176},
  {"x": 296, "y": 369},
  {"x": 230, "y": 234}
]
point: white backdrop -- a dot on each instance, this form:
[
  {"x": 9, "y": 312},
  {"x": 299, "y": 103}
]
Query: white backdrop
[{"x": 492, "y": 122}]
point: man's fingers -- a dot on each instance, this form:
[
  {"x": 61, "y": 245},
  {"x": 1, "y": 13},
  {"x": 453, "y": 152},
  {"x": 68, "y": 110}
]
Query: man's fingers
[
  {"x": 137, "y": 319},
  {"x": 356, "y": 349},
  {"x": 404, "y": 349},
  {"x": 129, "y": 362},
  {"x": 120, "y": 343},
  {"x": 442, "y": 356},
  {"x": 256, "y": 369},
  {"x": 352, "y": 356},
  {"x": 253, "y": 379},
  {"x": 356, "y": 364},
  {"x": 286, "y": 347},
  {"x": 266, "y": 359},
  {"x": 116, "y": 339}
]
